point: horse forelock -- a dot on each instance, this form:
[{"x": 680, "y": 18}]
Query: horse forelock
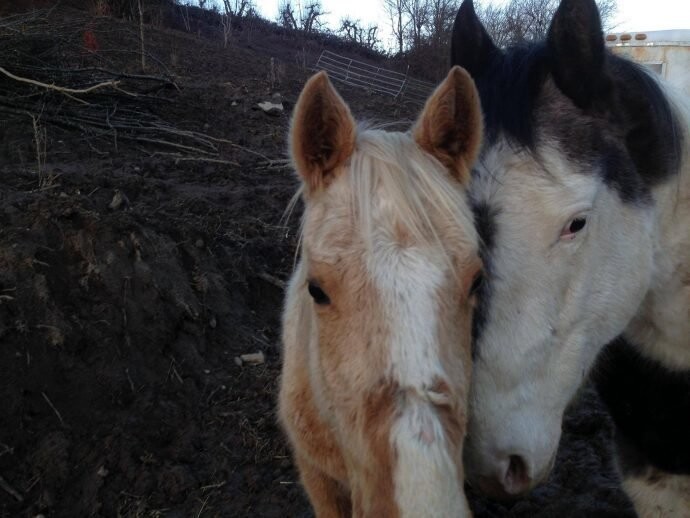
[
  {"x": 417, "y": 190},
  {"x": 393, "y": 182}
]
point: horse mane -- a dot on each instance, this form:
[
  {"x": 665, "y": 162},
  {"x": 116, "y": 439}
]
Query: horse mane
[
  {"x": 636, "y": 102},
  {"x": 414, "y": 182},
  {"x": 508, "y": 89},
  {"x": 657, "y": 135}
]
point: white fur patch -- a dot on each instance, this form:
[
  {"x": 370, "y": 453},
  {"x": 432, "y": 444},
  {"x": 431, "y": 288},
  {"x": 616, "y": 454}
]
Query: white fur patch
[
  {"x": 665, "y": 497},
  {"x": 426, "y": 482},
  {"x": 426, "y": 478},
  {"x": 408, "y": 280}
]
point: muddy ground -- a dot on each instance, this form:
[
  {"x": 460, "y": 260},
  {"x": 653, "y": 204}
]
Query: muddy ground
[{"x": 120, "y": 321}]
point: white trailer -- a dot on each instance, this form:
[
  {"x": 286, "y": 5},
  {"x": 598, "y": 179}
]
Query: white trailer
[{"x": 665, "y": 52}]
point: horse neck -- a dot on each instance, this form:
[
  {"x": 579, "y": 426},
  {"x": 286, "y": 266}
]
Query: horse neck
[{"x": 662, "y": 327}]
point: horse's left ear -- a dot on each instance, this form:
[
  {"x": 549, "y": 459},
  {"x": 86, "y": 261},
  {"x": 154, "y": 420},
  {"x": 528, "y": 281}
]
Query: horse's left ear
[
  {"x": 322, "y": 135},
  {"x": 450, "y": 126},
  {"x": 471, "y": 46},
  {"x": 576, "y": 47}
]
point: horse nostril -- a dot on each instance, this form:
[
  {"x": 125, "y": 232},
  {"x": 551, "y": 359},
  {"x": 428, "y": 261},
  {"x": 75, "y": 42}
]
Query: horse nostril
[{"x": 516, "y": 479}]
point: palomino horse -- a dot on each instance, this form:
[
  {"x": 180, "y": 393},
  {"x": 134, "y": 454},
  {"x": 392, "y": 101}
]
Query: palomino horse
[
  {"x": 582, "y": 198},
  {"x": 378, "y": 316}
]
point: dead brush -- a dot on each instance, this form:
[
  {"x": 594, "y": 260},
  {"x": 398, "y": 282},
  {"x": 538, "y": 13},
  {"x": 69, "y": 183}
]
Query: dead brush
[
  {"x": 46, "y": 179},
  {"x": 276, "y": 74},
  {"x": 301, "y": 58}
]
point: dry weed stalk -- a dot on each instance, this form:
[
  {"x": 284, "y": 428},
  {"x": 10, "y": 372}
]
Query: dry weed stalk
[
  {"x": 45, "y": 179},
  {"x": 184, "y": 13},
  {"x": 141, "y": 36},
  {"x": 226, "y": 20}
]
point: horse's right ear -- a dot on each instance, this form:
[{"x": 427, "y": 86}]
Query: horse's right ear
[
  {"x": 450, "y": 126},
  {"x": 322, "y": 135},
  {"x": 576, "y": 45},
  {"x": 471, "y": 46}
]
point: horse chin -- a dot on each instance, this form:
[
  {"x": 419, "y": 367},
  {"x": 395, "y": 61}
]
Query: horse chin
[
  {"x": 495, "y": 488},
  {"x": 492, "y": 488}
]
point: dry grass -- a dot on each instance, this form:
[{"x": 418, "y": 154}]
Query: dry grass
[{"x": 46, "y": 179}]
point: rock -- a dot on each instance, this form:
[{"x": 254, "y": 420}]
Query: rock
[
  {"x": 102, "y": 472},
  {"x": 238, "y": 361},
  {"x": 119, "y": 200},
  {"x": 253, "y": 358},
  {"x": 271, "y": 108}
]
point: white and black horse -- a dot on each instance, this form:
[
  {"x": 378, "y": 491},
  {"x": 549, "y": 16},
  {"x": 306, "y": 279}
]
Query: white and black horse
[{"x": 582, "y": 198}]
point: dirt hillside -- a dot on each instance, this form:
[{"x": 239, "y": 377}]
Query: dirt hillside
[{"x": 142, "y": 251}]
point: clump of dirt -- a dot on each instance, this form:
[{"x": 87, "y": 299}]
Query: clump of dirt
[{"x": 131, "y": 282}]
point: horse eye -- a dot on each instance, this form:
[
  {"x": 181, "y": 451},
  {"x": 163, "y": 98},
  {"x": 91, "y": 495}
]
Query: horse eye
[
  {"x": 318, "y": 294},
  {"x": 577, "y": 224},
  {"x": 477, "y": 283},
  {"x": 573, "y": 227}
]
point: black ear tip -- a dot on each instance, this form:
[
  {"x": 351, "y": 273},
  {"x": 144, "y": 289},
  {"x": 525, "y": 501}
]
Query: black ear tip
[
  {"x": 471, "y": 46},
  {"x": 578, "y": 8},
  {"x": 467, "y": 6},
  {"x": 577, "y": 20},
  {"x": 577, "y": 48},
  {"x": 466, "y": 12}
]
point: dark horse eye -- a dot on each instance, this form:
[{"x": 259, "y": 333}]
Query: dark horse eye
[
  {"x": 477, "y": 283},
  {"x": 573, "y": 227},
  {"x": 577, "y": 224},
  {"x": 318, "y": 294}
]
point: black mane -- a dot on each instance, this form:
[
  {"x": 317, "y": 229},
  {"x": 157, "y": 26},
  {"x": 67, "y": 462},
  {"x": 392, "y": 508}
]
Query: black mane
[
  {"x": 632, "y": 105},
  {"x": 654, "y": 135},
  {"x": 508, "y": 89}
]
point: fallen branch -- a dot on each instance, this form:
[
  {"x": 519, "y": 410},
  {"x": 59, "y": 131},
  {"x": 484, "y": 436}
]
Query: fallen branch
[
  {"x": 271, "y": 279},
  {"x": 4, "y": 485},
  {"x": 57, "y": 412},
  {"x": 5, "y": 449},
  {"x": 179, "y": 158},
  {"x": 63, "y": 89},
  {"x": 237, "y": 146}
]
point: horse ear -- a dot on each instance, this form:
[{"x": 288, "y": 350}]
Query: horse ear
[
  {"x": 471, "y": 46},
  {"x": 576, "y": 46},
  {"x": 322, "y": 134},
  {"x": 450, "y": 126}
]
